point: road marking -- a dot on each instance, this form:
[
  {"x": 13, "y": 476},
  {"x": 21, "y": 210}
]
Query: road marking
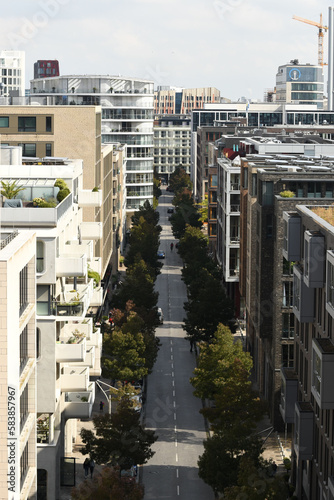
[
  {"x": 171, "y": 349},
  {"x": 171, "y": 357},
  {"x": 178, "y": 490},
  {"x": 174, "y": 404},
  {"x": 173, "y": 394},
  {"x": 173, "y": 367},
  {"x": 177, "y": 473},
  {"x": 175, "y": 428},
  {"x": 175, "y": 443},
  {"x": 173, "y": 382},
  {"x": 177, "y": 457},
  {"x": 174, "y": 416},
  {"x": 172, "y": 374}
]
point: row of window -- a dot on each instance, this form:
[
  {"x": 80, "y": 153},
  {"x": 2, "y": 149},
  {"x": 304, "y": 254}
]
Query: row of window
[
  {"x": 10, "y": 72},
  {"x": 26, "y": 123}
]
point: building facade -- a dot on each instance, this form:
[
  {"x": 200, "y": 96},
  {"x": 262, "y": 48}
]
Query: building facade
[
  {"x": 300, "y": 84},
  {"x": 171, "y": 100},
  {"x": 12, "y": 73},
  {"x": 306, "y": 393},
  {"x": 18, "y": 391},
  {"x": 75, "y": 132},
  {"x": 172, "y": 145},
  {"x": 68, "y": 345},
  {"x": 46, "y": 68},
  {"x": 127, "y": 118}
]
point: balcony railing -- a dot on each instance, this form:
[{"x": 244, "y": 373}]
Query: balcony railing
[
  {"x": 36, "y": 216},
  {"x": 79, "y": 404},
  {"x": 235, "y": 208}
]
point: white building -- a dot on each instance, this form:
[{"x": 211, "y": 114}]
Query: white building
[
  {"x": 228, "y": 218},
  {"x": 68, "y": 344},
  {"x": 172, "y": 147},
  {"x": 18, "y": 460},
  {"x": 12, "y": 73},
  {"x": 127, "y": 118}
]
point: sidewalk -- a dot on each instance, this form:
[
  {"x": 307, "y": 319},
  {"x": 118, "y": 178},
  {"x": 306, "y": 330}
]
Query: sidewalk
[{"x": 65, "y": 492}]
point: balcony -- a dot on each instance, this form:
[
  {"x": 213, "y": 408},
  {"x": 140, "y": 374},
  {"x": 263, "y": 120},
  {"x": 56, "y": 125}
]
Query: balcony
[
  {"x": 88, "y": 198},
  {"x": 74, "y": 378},
  {"x": 314, "y": 259},
  {"x": 73, "y": 303},
  {"x": 36, "y": 216},
  {"x": 68, "y": 265},
  {"x": 79, "y": 404},
  {"x": 303, "y": 438},
  {"x": 96, "y": 265},
  {"x": 323, "y": 372},
  {"x": 76, "y": 248},
  {"x": 291, "y": 238},
  {"x": 303, "y": 297},
  {"x": 70, "y": 350},
  {"x": 89, "y": 360},
  {"x": 91, "y": 230},
  {"x": 289, "y": 395},
  {"x": 97, "y": 297}
]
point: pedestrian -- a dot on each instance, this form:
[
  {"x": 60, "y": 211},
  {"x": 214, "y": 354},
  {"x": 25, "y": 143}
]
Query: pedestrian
[
  {"x": 274, "y": 467},
  {"x": 172, "y": 246},
  {"x": 101, "y": 405},
  {"x": 86, "y": 466},
  {"x": 192, "y": 345},
  {"x": 91, "y": 467}
]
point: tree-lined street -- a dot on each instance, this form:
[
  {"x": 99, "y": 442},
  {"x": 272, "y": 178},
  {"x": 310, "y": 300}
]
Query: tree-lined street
[{"x": 171, "y": 409}]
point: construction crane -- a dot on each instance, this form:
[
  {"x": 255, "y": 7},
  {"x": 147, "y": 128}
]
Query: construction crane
[{"x": 322, "y": 28}]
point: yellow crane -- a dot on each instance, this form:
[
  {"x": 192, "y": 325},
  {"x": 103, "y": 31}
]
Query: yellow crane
[{"x": 322, "y": 28}]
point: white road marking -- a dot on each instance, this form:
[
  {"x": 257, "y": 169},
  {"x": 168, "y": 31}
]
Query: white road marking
[
  {"x": 173, "y": 367},
  {"x": 174, "y": 404},
  {"x": 172, "y": 374},
  {"x": 174, "y": 416},
  {"x": 173, "y": 382},
  {"x": 175, "y": 443},
  {"x": 177, "y": 457},
  {"x": 178, "y": 490},
  {"x": 173, "y": 394},
  {"x": 177, "y": 473}
]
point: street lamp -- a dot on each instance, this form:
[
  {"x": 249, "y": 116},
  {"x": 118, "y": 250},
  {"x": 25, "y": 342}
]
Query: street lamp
[{"x": 108, "y": 397}]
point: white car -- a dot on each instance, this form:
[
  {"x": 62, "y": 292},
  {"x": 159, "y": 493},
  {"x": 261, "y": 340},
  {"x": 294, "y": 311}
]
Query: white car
[{"x": 160, "y": 315}]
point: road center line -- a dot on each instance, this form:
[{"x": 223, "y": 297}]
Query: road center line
[
  {"x": 178, "y": 490},
  {"x": 174, "y": 416},
  {"x": 173, "y": 394},
  {"x": 177, "y": 473},
  {"x": 172, "y": 374},
  {"x": 177, "y": 457}
]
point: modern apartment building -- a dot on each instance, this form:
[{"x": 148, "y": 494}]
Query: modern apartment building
[
  {"x": 45, "y": 68},
  {"x": 75, "y": 132},
  {"x": 68, "y": 345},
  {"x": 266, "y": 280},
  {"x": 228, "y": 225},
  {"x": 172, "y": 100},
  {"x": 307, "y": 388},
  {"x": 18, "y": 391},
  {"x": 12, "y": 73},
  {"x": 204, "y": 135},
  {"x": 300, "y": 84},
  {"x": 127, "y": 118},
  {"x": 172, "y": 144}
]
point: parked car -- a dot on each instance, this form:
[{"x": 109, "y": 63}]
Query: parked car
[
  {"x": 161, "y": 254},
  {"x": 170, "y": 210},
  {"x": 160, "y": 315}
]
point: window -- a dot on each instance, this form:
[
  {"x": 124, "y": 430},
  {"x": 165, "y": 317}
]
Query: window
[
  {"x": 27, "y": 123},
  {"x": 48, "y": 124},
  {"x": 267, "y": 193},
  {"x": 24, "y": 406},
  {"x": 288, "y": 325},
  {"x": 23, "y": 348},
  {"x": 48, "y": 149},
  {"x": 287, "y": 293},
  {"x": 38, "y": 343},
  {"x": 4, "y": 121},
  {"x": 29, "y": 149},
  {"x": 24, "y": 463},
  {"x": 40, "y": 249},
  {"x": 43, "y": 300},
  {"x": 23, "y": 289},
  {"x": 287, "y": 356}
]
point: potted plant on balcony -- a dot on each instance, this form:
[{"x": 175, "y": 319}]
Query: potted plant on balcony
[{"x": 11, "y": 189}]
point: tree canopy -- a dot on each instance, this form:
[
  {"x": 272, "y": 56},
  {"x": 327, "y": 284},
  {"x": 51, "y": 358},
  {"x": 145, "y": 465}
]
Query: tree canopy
[{"x": 119, "y": 439}]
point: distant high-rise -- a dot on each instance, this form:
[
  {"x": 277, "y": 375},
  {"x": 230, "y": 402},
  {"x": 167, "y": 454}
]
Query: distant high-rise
[
  {"x": 12, "y": 72},
  {"x": 171, "y": 100},
  {"x": 300, "y": 84},
  {"x": 46, "y": 68}
]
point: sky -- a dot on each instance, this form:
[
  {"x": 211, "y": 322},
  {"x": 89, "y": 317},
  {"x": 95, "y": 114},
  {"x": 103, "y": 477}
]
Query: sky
[{"x": 233, "y": 45}]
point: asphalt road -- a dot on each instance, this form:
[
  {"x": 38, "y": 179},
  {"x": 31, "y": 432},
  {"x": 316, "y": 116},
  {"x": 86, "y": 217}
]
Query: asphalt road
[{"x": 171, "y": 409}]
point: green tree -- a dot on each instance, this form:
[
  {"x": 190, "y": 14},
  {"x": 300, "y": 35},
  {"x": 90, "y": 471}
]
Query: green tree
[
  {"x": 203, "y": 209},
  {"x": 147, "y": 211},
  {"x": 124, "y": 356},
  {"x": 144, "y": 244},
  {"x": 257, "y": 482},
  {"x": 217, "y": 363},
  {"x": 11, "y": 189},
  {"x": 119, "y": 439},
  {"x": 219, "y": 464},
  {"x": 108, "y": 485},
  {"x": 207, "y": 307},
  {"x": 180, "y": 180}
]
